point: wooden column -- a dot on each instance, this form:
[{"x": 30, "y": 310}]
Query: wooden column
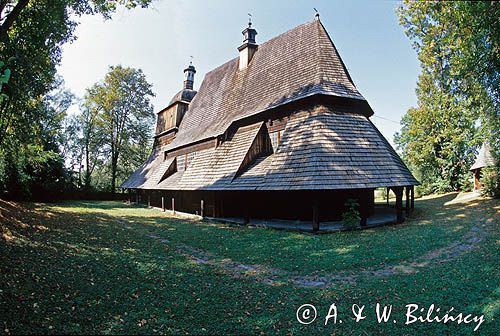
[
  {"x": 246, "y": 215},
  {"x": 399, "y": 203},
  {"x": 136, "y": 197},
  {"x": 221, "y": 208},
  {"x": 173, "y": 205},
  {"x": 370, "y": 202},
  {"x": 315, "y": 219},
  {"x": 412, "y": 197},
  {"x": 129, "y": 196},
  {"x": 363, "y": 209},
  {"x": 215, "y": 204},
  {"x": 163, "y": 203},
  {"x": 388, "y": 191},
  {"x": 407, "y": 196},
  {"x": 202, "y": 208},
  {"x": 149, "y": 199},
  {"x": 244, "y": 200}
]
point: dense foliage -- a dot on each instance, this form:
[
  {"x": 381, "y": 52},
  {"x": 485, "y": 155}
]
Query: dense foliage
[
  {"x": 457, "y": 91},
  {"x": 32, "y": 33},
  {"x": 112, "y": 134},
  {"x": 351, "y": 217},
  {"x": 491, "y": 181},
  {"x": 30, "y": 160}
]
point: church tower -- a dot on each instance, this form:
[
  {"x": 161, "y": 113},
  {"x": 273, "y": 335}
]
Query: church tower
[{"x": 170, "y": 117}]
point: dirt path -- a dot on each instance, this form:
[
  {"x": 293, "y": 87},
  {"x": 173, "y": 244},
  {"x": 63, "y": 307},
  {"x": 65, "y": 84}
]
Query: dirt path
[{"x": 273, "y": 276}]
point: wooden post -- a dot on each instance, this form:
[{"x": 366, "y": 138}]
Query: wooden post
[
  {"x": 149, "y": 199},
  {"x": 220, "y": 209},
  {"x": 388, "y": 191},
  {"x": 370, "y": 202},
  {"x": 173, "y": 205},
  {"x": 315, "y": 219},
  {"x": 407, "y": 196},
  {"x": 129, "y": 196},
  {"x": 215, "y": 204},
  {"x": 163, "y": 203},
  {"x": 412, "y": 197},
  {"x": 246, "y": 215},
  {"x": 363, "y": 207},
  {"x": 399, "y": 203},
  {"x": 202, "y": 208},
  {"x": 136, "y": 197}
]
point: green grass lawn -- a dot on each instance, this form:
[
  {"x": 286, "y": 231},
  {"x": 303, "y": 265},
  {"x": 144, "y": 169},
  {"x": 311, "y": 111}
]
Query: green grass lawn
[{"x": 107, "y": 267}]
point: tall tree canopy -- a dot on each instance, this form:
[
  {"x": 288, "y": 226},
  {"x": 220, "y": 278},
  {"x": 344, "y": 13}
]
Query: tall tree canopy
[
  {"x": 457, "y": 91},
  {"x": 30, "y": 163},
  {"x": 32, "y": 33},
  {"x": 115, "y": 126}
]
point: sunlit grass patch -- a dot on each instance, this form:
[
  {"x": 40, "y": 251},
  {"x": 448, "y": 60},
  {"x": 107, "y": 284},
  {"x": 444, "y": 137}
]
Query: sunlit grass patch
[{"x": 108, "y": 267}]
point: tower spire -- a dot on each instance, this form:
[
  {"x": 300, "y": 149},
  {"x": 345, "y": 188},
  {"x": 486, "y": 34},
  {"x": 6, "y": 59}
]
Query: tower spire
[
  {"x": 249, "y": 46},
  {"x": 189, "y": 75}
]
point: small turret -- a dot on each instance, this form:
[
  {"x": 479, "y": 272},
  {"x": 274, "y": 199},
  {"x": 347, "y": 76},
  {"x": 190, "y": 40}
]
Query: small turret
[
  {"x": 249, "y": 46},
  {"x": 189, "y": 76}
]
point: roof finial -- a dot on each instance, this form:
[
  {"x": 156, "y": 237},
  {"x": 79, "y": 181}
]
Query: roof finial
[
  {"x": 191, "y": 60},
  {"x": 317, "y": 14},
  {"x": 249, "y": 19}
]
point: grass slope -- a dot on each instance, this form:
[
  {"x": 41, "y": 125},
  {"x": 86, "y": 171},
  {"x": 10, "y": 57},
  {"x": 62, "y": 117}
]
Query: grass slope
[{"x": 92, "y": 267}]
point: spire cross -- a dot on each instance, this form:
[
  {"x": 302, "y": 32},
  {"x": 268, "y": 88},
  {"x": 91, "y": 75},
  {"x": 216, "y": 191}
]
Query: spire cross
[{"x": 317, "y": 13}]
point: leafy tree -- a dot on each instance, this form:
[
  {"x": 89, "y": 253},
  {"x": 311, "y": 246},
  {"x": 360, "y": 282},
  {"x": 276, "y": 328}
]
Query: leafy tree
[
  {"x": 491, "y": 181},
  {"x": 83, "y": 145},
  {"x": 32, "y": 33},
  {"x": 4, "y": 80},
  {"x": 436, "y": 138},
  {"x": 31, "y": 165},
  {"x": 115, "y": 126},
  {"x": 458, "y": 96}
]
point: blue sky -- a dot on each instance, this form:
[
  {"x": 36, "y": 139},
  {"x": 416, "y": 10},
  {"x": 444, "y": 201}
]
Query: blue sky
[{"x": 161, "y": 39}]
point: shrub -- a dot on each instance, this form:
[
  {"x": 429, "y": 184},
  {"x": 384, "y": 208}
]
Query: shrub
[
  {"x": 491, "y": 181},
  {"x": 351, "y": 217}
]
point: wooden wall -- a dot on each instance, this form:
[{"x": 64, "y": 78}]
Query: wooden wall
[{"x": 289, "y": 205}]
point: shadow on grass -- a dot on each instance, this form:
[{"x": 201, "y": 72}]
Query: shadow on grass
[
  {"x": 98, "y": 272},
  {"x": 431, "y": 226},
  {"x": 102, "y": 205}
]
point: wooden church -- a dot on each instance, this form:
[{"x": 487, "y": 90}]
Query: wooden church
[{"x": 280, "y": 132}]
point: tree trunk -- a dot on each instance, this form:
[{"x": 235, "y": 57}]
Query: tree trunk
[
  {"x": 114, "y": 165},
  {"x": 87, "y": 167},
  {"x": 11, "y": 18}
]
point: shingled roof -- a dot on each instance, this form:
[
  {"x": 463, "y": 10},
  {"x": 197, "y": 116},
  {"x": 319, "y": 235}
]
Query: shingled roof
[
  {"x": 322, "y": 147},
  {"x": 296, "y": 64},
  {"x": 484, "y": 157},
  {"x": 325, "y": 149},
  {"x": 150, "y": 173},
  {"x": 184, "y": 95}
]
